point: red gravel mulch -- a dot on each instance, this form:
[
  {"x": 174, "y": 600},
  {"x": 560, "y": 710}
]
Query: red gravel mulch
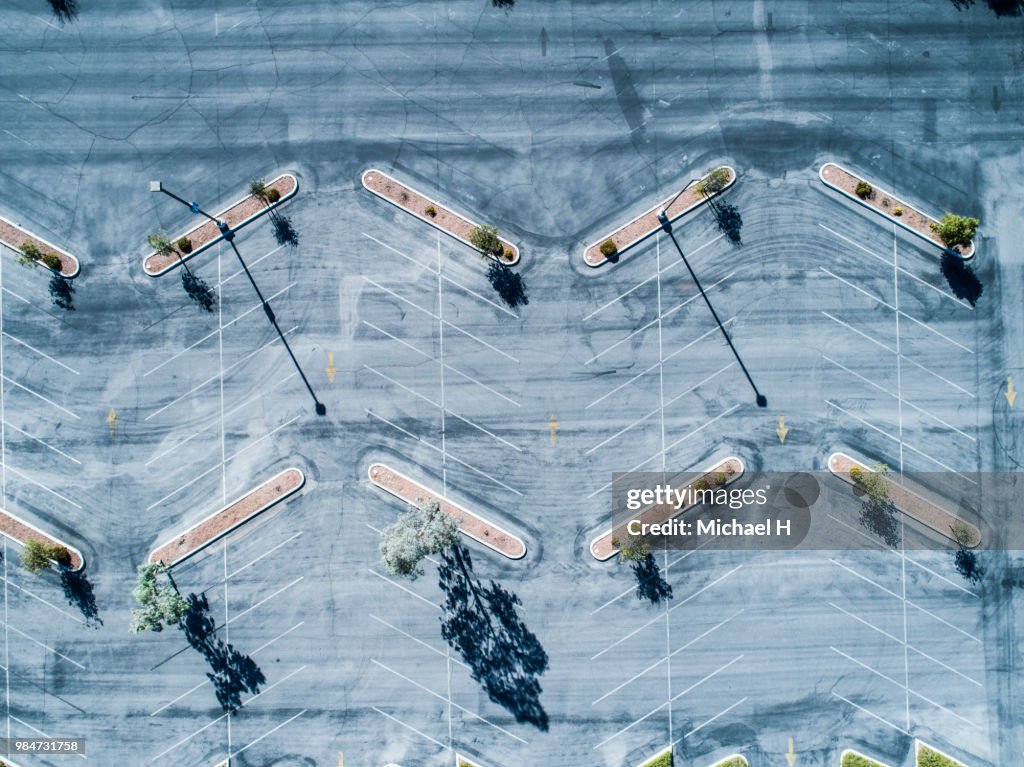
[
  {"x": 207, "y": 231},
  {"x": 647, "y": 223},
  {"x": 907, "y": 501},
  {"x": 444, "y": 219},
  {"x": 228, "y": 518},
  {"x": 13, "y": 236},
  {"x": 886, "y": 204},
  {"x": 19, "y": 531},
  {"x": 602, "y": 548},
  {"x": 476, "y": 527}
]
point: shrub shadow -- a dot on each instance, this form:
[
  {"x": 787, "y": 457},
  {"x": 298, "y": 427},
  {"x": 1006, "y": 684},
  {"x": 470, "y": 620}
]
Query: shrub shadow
[
  {"x": 730, "y": 222},
  {"x": 64, "y": 10},
  {"x": 62, "y": 292},
  {"x": 78, "y": 592},
  {"x": 961, "y": 278},
  {"x": 881, "y": 519},
  {"x": 284, "y": 232},
  {"x": 483, "y": 626},
  {"x": 999, "y": 7},
  {"x": 507, "y": 284},
  {"x": 231, "y": 672},
  {"x": 505, "y": 5},
  {"x": 650, "y": 585},
  {"x": 967, "y": 564}
]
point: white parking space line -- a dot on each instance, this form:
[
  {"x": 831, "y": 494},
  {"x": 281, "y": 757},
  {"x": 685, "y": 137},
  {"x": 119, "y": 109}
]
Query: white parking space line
[
  {"x": 644, "y": 462},
  {"x": 265, "y": 437},
  {"x": 621, "y": 341},
  {"x": 175, "y": 356},
  {"x": 874, "y": 541},
  {"x": 946, "y": 666},
  {"x": 719, "y": 715},
  {"x": 943, "y": 621},
  {"x": 409, "y": 727},
  {"x": 870, "y": 625},
  {"x": 441, "y": 319},
  {"x": 941, "y": 577},
  {"x": 429, "y": 267},
  {"x": 870, "y": 713},
  {"x": 703, "y": 426},
  {"x": 447, "y": 700},
  {"x": 262, "y": 602},
  {"x": 485, "y": 431},
  {"x": 863, "y": 665},
  {"x": 654, "y": 276},
  {"x": 482, "y": 473},
  {"x": 44, "y": 355},
  {"x": 403, "y": 588},
  {"x": 44, "y": 443},
  {"x": 40, "y": 485},
  {"x": 621, "y": 386},
  {"x": 420, "y": 642},
  {"x": 403, "y": 342},
  {"x": 267, "y": 734},
  {"x": 486, "y": 300},
  {"x": 267, "y": 553},
  {"x": 874, "y": 583},
  {"x": 185, "y": 740},
  {"x": 404, "y": 431},
  {"x": 706, "y": 633},
  {"x": 872, "y": 339},
  {"x": 899, "y": 268},
  {"x": 942, "y": 708},
  {"x": 19, "y": 632},
  {"x": 631, "y": 725},
  {"x": 936, "y": 461},
  {"x": 391, "y": 380},
  {"x": 40, "y": 396},
  {"x": 697, "y": 385},
  {"x": 36, "y": 730},
  {"x": 959, "y": 388},
  {"x": 714, "y": 673},
  {"x": 900, "y": 312},
  {"x": 216, "y": 467},
  {"x": 709, "y": 288},
  {"x": 619, "y": 433},
  {"x": 61, "y": 610},
  {"x": 247, "y": 312},
  {"x": 251, "y": 264}
]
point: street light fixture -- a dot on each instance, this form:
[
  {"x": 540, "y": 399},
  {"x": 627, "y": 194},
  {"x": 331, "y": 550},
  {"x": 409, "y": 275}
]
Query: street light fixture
[
  {"x": 229, "y": 236},
  {"x": 666, "y": 224}
]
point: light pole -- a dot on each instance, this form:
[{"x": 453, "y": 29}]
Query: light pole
[
  {"x": 663, "y": 219},
  {"x": 229, "y": 235}
]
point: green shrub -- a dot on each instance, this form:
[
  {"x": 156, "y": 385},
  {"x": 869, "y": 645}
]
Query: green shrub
[
  {"x": 702, "y": 484},
  {"x": 955, "y": 230},
  {"x": 926, "y": 757},
  {"x": 52, "y": 261},
  {"x": 273, "y": 195},
  {"x": 665, "y": 760},
  {"x": 485, "y": 239},
  {"x": 863, "y": 190},
  {"x": 258, "y": 188},
  {"x": 856, "y": 760},
  {"x": 609, "y": 248},
  {"x": 720, "y": 479},
  {"x": 431, "y": 211},
  {"x": 856, "y": 474},
  {"x": 160, "y": 243},
  {"x": 38, "y": 554},
  {"x": 736, "y": 761},
  {"x": 898, "y": 210},
  {"x": 30, "y": 254},
  {"x": 184, "y": 245},
  {"x": 714, "y": 183}
]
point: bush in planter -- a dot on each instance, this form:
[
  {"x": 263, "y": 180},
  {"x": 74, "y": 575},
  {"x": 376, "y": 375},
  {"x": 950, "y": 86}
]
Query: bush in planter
[
  {"x": 37, "y": 555},
  {"x": 720, "y": 479},
  {"x": 714, "y": 183},
  {"x": 258, "y": 188},
  {"x": 273, "y": 195},
  {"x": 52, "y": 261},
  {"x": 431, "y": 211},
  {"x": 485, "y": 238},
  {"x": 184, "y": 245},
  {"x": 863, "y": 190},
  {"x": 856, "y": 473},
  {"x": 898, "y": 210},
  {"x": 955, "y": 230},
  {"x": 29, "y": 254},
  {"x": 161, "y": 243},
  {"x": 609, "y": 248}
]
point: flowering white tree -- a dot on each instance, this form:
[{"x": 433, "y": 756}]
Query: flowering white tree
[{"x": 419, "y": 532}]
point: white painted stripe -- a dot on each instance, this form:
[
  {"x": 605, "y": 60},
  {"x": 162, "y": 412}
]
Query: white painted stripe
[{"x": 44, "y": 355}]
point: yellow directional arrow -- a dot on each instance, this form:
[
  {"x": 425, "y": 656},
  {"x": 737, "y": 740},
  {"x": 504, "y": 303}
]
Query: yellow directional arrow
[
  {"x": 112, "y": 421},
  {"x": 781, "y": 429},
  {"x": 791, "y": 754},
  {"x": 553, "y": 425},
  {"x": 1010, "y": 394},
  {"x": 341, "y": 759},
  {"x": 331, "y": 370}
]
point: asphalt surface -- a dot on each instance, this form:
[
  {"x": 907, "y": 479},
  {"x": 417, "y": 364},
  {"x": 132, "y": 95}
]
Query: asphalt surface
[{"x": 555, "y": 121}]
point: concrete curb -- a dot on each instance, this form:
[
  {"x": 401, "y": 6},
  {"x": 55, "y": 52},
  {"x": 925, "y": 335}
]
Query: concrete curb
[
  {"x": 28, "y": 234},
  {"x": 245, "y": 222},
  {"x": 702, "y": 472},
  {"x": 659, "y": 206},
  {"x": 461, "y": 507},
  {"x": 894, "y": 219},
  {"x": 430, "y": 221},
  {"x": 944, "y": 533},
  {"x": 862, "y": 756},
  {"x": 228, "y": 531},
  {"x": 46, "y": 535}
]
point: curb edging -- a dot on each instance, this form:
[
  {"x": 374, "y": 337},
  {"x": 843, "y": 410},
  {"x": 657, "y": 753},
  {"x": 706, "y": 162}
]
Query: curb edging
[
  {"x": 46, "y": 536},
  {"x": 32, "y": 236},
  {"x": 893, "y": 219}
]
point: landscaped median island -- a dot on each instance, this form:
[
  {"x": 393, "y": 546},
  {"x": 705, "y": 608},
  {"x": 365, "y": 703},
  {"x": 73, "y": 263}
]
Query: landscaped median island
[
  {"x": 932, "y": 757},
  {"x": 473, "y": 525},
  {"x": 440, "y": 217},
  {"x": 910, "y": 503},
  {"x": 605, "y": 546},
  {"x": 732, "y": 761},
  {"x": 205, "y": 235},
  {"x": 33, "y": 249},
  {"x": 851, "y": 758},
  {"x": 662, "y": 759},
  {"x": 232, "y": 516},
  {"x": 614, "y": 244},
  {"x": 903, "y": 214},
  {"x": 28, "y": 535}
]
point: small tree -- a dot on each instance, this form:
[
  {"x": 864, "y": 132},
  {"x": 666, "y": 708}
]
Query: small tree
[
  {"x": 258, "y": 188},
  {"x": 714, "y": 182},
  {"x": 962, "y": 534},
  {"x": 37, "y": 555},
  {"x": 161, "y": 243},
  {"x": 874, "y": 483},
  {"x": 609, "y": 248},
  {"x": 635, "y": 548},
  {"x": 159, "y": 602},
  {"x": 485, "y": 239},
  {"x": 955, "y": 230},
  {"x": 184, "y": 244},
  {"x": 29, "y": 254},
  {"x": 420, "y": 531}
]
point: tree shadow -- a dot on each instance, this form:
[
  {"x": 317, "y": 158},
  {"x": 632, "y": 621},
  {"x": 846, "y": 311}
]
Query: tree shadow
[
  {"x": 505, "y": 5},
  {"x": 968, "y": 566},
  {"x": 284, "y": 232},
  {"x": 198, "y": 290},
  {"x": 999, "y": 7},
  {"x": 231, "y": 672},
  {"x": 64, "y": 10},
  {"x": 483, "y": 626},
  {"x": 881, "y": 519},
  {"x": 507, "y": 284},
  {"x": 78, "y": 592},
  {"x": 730, "y": 222},
  {"x": 961, "y": 278},
  {"x": 62, "y": 292},
  {"x": 650, "y": 584}
]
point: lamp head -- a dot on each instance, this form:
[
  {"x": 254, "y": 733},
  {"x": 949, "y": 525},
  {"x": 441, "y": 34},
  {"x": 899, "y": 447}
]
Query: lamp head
[{"x": 155, "y": 186}]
